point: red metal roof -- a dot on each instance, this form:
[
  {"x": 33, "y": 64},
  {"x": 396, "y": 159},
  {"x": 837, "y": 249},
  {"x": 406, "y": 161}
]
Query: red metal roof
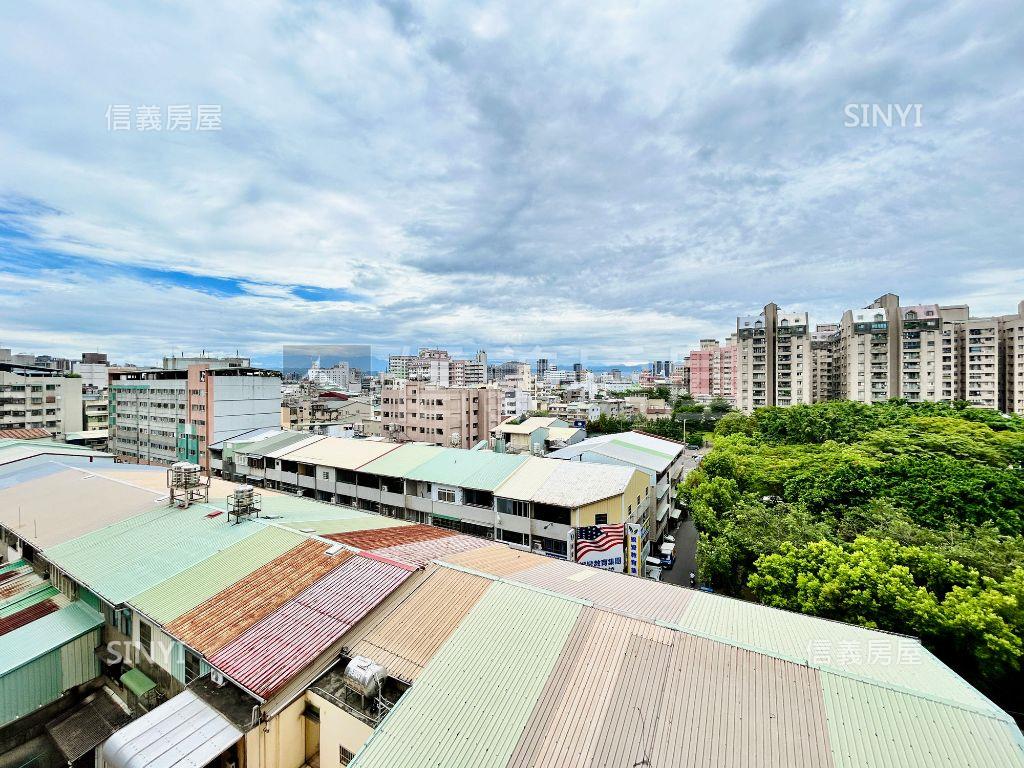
[
  {"x": 269, "y": 654},
  {"x": 232, "y": 611},
  {"x": 26, "y": 616}
]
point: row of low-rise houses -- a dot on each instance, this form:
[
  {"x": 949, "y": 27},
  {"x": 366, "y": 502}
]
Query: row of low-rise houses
[
  {"x": 134, "y": 632},
  {"x": 921, "y": 352},
  {"x": 538, "y": 504}
]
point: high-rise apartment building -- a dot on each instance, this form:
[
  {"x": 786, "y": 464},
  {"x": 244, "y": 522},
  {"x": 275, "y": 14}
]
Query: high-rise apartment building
[
  {"x": 455, "y": 417},
  {"x": 542, "y": 367},
  {"x": 774, "y": 358},
  {"x": 1011, "y": 345},
  {"x": 921, "y": 352},
  {"x": 163, "y": 415},
  {"x": 824, "y": 343},
  {"x": 981, "y": 374}
]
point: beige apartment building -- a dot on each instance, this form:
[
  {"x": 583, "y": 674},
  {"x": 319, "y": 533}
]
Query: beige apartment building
[
  {"x": 455, "y": 417},
  {"x": 775, "y": 355},
  {"x": 824, "y": 343},
  {"x": 921, "y": 352},
  {"x": 981, "y": 375}
]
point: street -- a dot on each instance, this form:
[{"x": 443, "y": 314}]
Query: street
[{"x": 686, "y": 536}]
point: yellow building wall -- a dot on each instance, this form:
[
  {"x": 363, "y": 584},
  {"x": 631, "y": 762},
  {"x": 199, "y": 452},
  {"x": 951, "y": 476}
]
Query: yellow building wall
[
  {"x": 337, "y": 729},
  {"x": 280, "y": 742},
  {"x": 616, "y": 506}
]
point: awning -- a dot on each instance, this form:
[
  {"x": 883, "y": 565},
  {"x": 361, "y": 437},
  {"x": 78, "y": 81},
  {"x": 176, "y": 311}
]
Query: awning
[
  {"x": 137, "y": 683},
  {"x": 87, "y": 726},
  {"x": 675, "y": 514},
  {"x": 181, "y": 733}
]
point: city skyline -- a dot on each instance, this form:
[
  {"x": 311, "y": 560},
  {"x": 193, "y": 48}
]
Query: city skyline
[{"x": 449, "y": 178}]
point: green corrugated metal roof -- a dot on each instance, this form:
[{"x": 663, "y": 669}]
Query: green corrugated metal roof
[
  {"x": 23, "y": 601},
  {"x": 284, "y": 507},
  {"x": 136, "y": 682},
  {"x": 476, "y": 692},
  {"x": 892, "y": 660},
  {"x": 12, "y": 566},
  {"x": 345, "y": 525},
  {"x": 126, "y": 558},
  {"x": 482, "y": 470},
  {"x": 184, "y": 591},
  {"x": 641, "y": 448},
  {"x": 402, "y": 460},
  {"x": 875, "y": 727},
  {"x": 43, "y": 635}
]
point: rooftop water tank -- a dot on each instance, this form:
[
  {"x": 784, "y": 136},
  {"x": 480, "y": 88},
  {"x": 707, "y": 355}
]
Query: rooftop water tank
[{"x": 365, "y": 676}]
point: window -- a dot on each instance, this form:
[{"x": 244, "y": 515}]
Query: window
[
  {"x": 344, "y": 755},
  {"x": 146, "y": 638},
  {"x": 326, "y": 474},
  {"x": 513, "y": 507},
  {"x": 511, "y": 537},
  {"x": 601, "y": 519},
  {"x": 446, "y": 494}
]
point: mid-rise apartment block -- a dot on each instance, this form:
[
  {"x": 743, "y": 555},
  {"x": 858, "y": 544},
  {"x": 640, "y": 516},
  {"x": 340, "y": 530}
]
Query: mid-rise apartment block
[
  {"x": 456, "y": 417},
  {"x": 920, "y": 352},
  {"x": 712, "y": 371},
  {"x": 163, "y": 415},
  {"x": 438, "y": 368},
  {"x": 34, "y": 397}
]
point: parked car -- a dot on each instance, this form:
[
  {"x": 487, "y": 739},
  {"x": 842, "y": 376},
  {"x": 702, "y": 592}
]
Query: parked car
[
  {"x": 654, "y": 573},
  {"x": 670, "y": 539},
  {"x": 693, "y": 447},
  {"x": 668, "y": 555}
]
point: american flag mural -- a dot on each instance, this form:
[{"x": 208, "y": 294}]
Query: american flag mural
[{"x": 601, "y": 546}]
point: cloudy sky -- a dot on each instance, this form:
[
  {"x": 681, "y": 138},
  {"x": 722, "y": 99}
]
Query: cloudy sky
[{"x": 611, "y": 180}]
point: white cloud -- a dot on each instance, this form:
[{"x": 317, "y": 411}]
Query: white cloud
[{"x": 617, "y": 178}]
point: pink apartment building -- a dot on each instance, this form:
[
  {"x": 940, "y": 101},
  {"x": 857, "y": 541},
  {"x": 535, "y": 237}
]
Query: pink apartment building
[{"x": 712, "y": 370}]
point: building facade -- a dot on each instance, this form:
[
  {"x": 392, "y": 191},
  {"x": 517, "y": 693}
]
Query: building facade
[
  {"x": 33, "y": 397},
  {"x": 712, "y": 371},
  {"x": 160, "y": 415},
  {"x": 920, "y": 352},
  {"x": 457, "y": 417}
]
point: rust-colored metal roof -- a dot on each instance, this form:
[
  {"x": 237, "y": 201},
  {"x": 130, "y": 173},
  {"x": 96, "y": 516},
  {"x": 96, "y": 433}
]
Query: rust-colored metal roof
[
  {"x": 219, "y": 620},
  {"x": 31, "y": 433},
  {"x": 28, "y": 615},
  {"x": 276, "y": 649},
  {"x": 407, "y": 638},
  {"x": 14, "y": 573},
  {"x": 641, "y": 598},
  {"x": 379, "y": 538},
  {"x": 20, "y": 582},
  {"x": 497, "y": 560},
  {"x": 420, "y": 553}
]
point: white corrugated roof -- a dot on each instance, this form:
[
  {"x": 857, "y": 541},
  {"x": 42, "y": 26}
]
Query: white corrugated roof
[{"x": 180, "y": 733}]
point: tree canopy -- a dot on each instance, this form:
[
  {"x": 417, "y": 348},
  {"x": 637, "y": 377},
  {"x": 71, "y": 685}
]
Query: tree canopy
[{"x": 901, "y": 516}]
